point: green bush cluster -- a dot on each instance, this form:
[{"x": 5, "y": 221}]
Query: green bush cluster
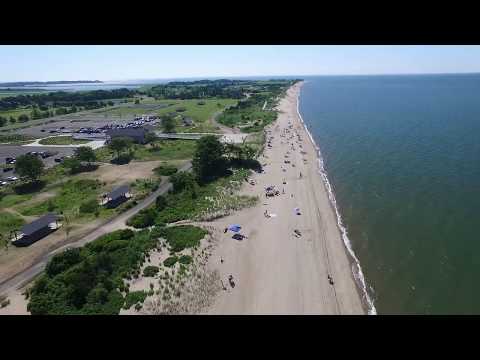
[
  {"x": 170, "y": 261},
  {"x": 150, "y": 271},
  {"x": 89, "y": 207},
  {"x": 165, "y": 170},
  {"x": 185, "y": 259},
  {"x": 144, "y": 218},
  {"x": 133, "y": 298},
  {"x": 87, "y": 280}
]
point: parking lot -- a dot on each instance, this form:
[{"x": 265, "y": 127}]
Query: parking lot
[{"x": 17, "y": 150}]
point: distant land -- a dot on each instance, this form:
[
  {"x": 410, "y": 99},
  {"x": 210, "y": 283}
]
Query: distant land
[{"x": 29, "y": 83}]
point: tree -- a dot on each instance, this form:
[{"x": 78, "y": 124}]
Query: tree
[
  {"x": 3, "y": 121},
  {"x": 85, "y": 153},
  {"x": 12, "y": 120},
  {"x": 208, "y": 160},
  {"x": 119, "y": 144},
  {"x": 23, "y": 118},
  {"x": 36, "y": 114},
  {"x": 73, "y": 164},
  {"x": 183, "y": 181},
  {"x": 150, "y": 137},
  {"x": 160, "y": 203},
  {"x": 137, "y": 101},
  {"x": 29, "y": 166},
  {"x": 168, "y": 124}
]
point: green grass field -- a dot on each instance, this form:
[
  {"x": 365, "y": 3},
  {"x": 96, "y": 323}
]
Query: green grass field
[
  {"x": 9, "y": 222},
  {"x": 62, "y": 140},
  {"x": 199, "y": 113},
  {"x": 161, "y": 150}
]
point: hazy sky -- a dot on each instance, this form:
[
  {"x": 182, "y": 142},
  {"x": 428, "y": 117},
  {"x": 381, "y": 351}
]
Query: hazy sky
[{"x": 104, "y": 62}]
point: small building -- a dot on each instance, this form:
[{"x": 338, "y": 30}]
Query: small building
[
  {"x": 116, "y": 197},
  {"x": 36, "y": 230},
  {"x": 137, "y": 134}
]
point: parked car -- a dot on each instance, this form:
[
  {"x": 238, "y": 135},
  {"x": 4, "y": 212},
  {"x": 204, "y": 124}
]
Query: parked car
[
  {"x": 12, "y": 178},
  {"x": 7, "y": 169},
  {"x": 60, "y": 159}
]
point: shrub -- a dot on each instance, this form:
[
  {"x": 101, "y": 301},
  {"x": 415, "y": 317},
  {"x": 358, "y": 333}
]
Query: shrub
[
  {"x": 185, "y": 236},
  {"x": 160, "y": 203},
  {"x": 165, "y": 170},
  {"x": 170, "y": 261},
  {"x": 134, "y": 297},
  {"x": 121, "y": 159},
  {"x": 89, "y": 207},
  {"x": 185, "y": 259},
  {"x": 143, "y": 219},
  {"x": 183, "y": 181},
  {"x": 150, "y": 271}
]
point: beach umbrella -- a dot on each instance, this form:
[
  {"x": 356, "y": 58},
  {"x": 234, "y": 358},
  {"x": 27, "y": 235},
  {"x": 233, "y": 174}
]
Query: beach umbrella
[{"x": 234, "y": 228}]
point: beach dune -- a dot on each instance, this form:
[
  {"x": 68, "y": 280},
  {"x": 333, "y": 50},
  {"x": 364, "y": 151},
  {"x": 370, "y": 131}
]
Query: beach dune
[{"x": 275, "y": 271}]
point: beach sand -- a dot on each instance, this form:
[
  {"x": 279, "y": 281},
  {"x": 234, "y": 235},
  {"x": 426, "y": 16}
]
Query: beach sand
[{"x": 274, "y": 271}]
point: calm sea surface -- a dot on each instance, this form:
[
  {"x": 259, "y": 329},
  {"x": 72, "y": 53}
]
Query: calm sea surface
[{"x": 403, "y": 156}]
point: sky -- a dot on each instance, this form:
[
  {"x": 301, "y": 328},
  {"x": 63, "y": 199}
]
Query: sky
[{"x": 132, "y": 62}]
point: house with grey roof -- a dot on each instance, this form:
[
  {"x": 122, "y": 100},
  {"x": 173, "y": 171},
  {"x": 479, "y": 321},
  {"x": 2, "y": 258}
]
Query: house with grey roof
[
  {"x": 36, "y": 230},
  {"x": 116, "y": 197},
  {"x": 137, "y": 134}
]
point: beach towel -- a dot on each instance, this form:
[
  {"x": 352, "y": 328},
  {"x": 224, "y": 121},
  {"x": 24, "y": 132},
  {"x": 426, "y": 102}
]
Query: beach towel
[{"x": 234, "y": 228}]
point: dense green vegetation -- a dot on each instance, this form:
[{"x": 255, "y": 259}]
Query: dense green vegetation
[
  {"x": 63, "y": 98},
  {"x": 89, "y": 280},
  {"x": 29, "y": 166},
  {"x": 150, "y": 271},
  {"x": 171, "y": 149},
  {"x": 208, "y": 161},
  {"x": 133, "y": 298},
  {"x": 14, "y": 139},
  {"x": 165, "y": 170},
  {"x": 182, "y": 237},
  {"x": 62, "y": 140}
]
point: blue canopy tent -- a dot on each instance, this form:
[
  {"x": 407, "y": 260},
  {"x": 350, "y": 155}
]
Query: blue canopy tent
[{"x": 234, "y": 228}]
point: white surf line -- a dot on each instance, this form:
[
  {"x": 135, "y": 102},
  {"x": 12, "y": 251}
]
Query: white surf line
[{"x": 358, "y": 274}]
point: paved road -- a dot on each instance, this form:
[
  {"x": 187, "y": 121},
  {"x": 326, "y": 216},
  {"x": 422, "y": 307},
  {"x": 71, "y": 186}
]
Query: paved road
[
  {"x": 226, "y": 138},
  {"x": 116, "y": 223}
]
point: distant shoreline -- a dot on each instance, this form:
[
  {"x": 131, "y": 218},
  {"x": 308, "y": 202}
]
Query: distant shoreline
[{"x": 42, "y": 83}]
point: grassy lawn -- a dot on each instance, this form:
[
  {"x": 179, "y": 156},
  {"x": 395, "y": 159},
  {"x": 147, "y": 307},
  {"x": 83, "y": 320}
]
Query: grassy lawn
[
  {"x": 69, "y": 195},
  {"x": 15, "y": 139},
  {"x": 199, "y": 113},
  {"x": 9, "y": 222},
  {"x": 62, "y": 140},
  {"x": 160, "y": 150},
  {"x": 10, "y": 200}
]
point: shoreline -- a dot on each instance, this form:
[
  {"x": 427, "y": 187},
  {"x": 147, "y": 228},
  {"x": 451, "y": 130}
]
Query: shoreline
[
  {"x": 357, "y": 272},
  {"x": 276, "y": 272}
]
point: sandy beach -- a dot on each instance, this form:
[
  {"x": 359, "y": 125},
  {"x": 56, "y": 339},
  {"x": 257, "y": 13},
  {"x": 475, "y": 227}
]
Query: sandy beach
[{"x": 275, "y": 271}]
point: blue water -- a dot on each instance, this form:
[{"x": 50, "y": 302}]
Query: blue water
[{"x": 403, "y": 156}]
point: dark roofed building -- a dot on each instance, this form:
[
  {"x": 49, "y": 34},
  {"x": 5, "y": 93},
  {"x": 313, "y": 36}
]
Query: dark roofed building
[
  {"x": 116, "y": 197},
  {"x": 136, "y": 134},
  {"x": 36, "y": 230}
]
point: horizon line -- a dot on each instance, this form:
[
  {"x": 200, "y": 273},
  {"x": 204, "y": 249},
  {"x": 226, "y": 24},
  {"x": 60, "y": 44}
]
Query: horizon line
[{"x": 206, "y": 77}]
